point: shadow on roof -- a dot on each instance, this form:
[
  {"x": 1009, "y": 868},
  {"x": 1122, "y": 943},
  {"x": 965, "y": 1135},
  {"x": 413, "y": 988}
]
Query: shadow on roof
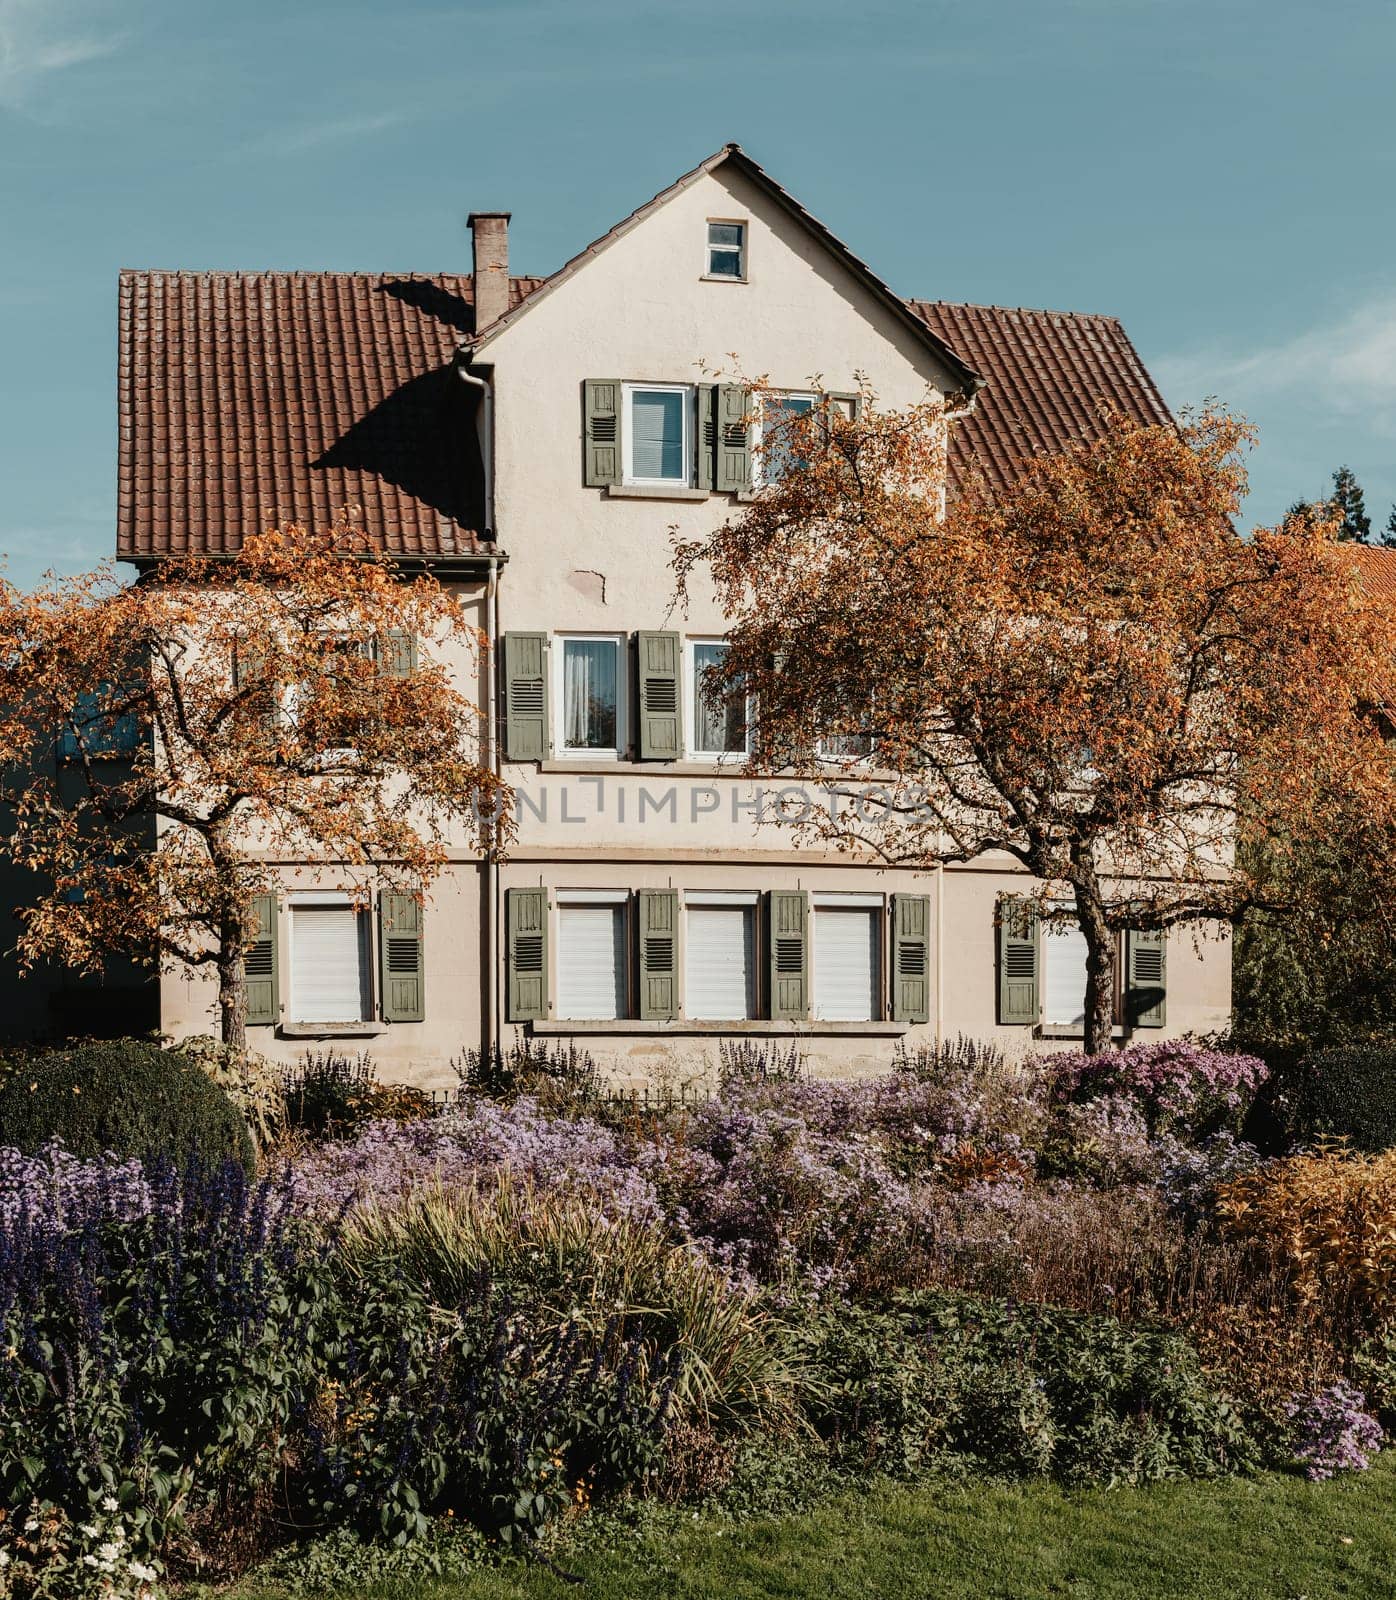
[
  {"x": 421, "y": 438},
  {"x": 434, "y": 301}
]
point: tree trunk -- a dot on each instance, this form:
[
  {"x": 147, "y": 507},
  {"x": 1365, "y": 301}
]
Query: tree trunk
[
  {"x": 232, "y": 940},
  {"x": 232, "y": 991},
  {"x": 1100, "y": 958}
]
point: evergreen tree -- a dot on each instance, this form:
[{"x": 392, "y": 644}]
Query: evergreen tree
[
  {"x": 1388, "y": 536},
  {"x": 1347, "y": 497}
]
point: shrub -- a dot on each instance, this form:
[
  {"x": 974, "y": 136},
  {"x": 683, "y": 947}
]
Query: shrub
[
  {"x": 1017, "y": 1390},
  {"x": 1178, "y": 1086},
  {"x": 127, "y": 1097},
  {"x": 759, "y": 1061},
  {"x": 1347, "y": 1093},
  {"x": 1334, "y": 1431},
  {"x": 255, "y": 1085},
  {"x": 560, "y": 1259},
  {"x": 1329, "y": 1217},
  {"x": 159, "y": 1361},
  {"x": 558, "y": 1076}
]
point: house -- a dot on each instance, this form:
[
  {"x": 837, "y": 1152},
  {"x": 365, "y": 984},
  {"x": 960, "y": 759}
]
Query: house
[{"x": 532, "y": 442}]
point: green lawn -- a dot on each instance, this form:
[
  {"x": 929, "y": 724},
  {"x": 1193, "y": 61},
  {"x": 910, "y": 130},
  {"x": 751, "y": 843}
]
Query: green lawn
[{"x": 1269, "y": 1539}]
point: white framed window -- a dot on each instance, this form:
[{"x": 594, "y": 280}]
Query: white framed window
[
  {"x": 329, "y": 960},
  {"x": 719, "y": 728},
  {"x": 720, "y": 957},
  {"x": 847, "y": 935},
  {"x": 1063, "y": 976},
  {"x": 589, "y": 694},
  {"x": 726, "y": 250},
  {"x": 592, "y": 972},
  {"x": 657, "y": 433},
  {"x": 773, "y": 454}
]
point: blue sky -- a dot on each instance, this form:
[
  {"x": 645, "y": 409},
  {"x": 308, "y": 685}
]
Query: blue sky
[{"x": 1218, "y": 173}]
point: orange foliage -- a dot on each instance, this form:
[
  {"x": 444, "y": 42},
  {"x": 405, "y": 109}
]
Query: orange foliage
[
  {"x": 1094, "y": 671},
  {"x": 220, "y": 710}
]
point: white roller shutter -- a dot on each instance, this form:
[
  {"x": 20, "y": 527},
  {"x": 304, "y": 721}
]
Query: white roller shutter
[
  {"x": 591, "y": 961},
  {"x": 847, "y": 964},
  {"x": 327, "y": 964},
  {"x": 1064, "y": 976},
  {"x": 720, "y": 963}
]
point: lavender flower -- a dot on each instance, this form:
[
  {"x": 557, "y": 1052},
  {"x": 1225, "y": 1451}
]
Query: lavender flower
[{"x": 1334, "y": 1431}]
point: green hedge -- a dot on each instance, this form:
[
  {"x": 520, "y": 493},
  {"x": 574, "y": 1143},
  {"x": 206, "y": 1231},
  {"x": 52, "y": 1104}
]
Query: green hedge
[
  {"x": 1346, "y": 1093},
  {"x": 125, "y": 1096}
]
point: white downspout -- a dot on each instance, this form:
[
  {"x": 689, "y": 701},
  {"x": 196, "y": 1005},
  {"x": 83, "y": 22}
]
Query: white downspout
[
  {"x": 940, "y": 953},
  {"x": 493, "y": 896}
]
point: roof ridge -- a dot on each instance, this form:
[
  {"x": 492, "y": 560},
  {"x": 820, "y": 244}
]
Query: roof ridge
[{"x": 1027, "y": 311}]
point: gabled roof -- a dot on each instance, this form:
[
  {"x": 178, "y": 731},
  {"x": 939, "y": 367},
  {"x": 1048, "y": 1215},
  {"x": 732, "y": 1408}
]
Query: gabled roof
[
  {"x": 251, "y": 399},
  {"x": 1046, "y": 375},
  {"x": 965, "y": 376}
]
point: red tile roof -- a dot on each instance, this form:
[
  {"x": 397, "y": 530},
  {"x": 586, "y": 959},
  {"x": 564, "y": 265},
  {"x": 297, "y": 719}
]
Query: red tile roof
[
  {"x": 248, "y": 400},
  {"x": 1045, "y": 374},
  {"x": 1376, "y": 568}
]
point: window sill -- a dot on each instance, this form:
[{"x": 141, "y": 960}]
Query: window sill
[
  {"x": 646, "y": 769},
  {"x": 654, "y": 491},
  {"x": 331, "y": 1030},
  {"x": 634, "y": 1025},
  {"x": 721, "y": 277},
  {"x": 1064, "y": 1030}
]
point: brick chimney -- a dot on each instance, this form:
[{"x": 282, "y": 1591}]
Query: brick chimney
[{"x": 489, "y": 232}]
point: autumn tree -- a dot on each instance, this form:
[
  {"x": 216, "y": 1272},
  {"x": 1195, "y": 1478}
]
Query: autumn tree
[
  {"x": 162, "y": 739},
  {"x": 1093, "y": 672}
]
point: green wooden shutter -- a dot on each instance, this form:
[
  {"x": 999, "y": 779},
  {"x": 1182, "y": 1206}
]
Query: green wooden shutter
[
  {"x": 1018, "y": 962},
  {"x": 260, "y": 964},
  {"x": 787, "y": 922},
  {"x": 601, "y": 432},
  {"x": 526, "y": 916},
  {"x": 526, "y": 696},
  {"x": 705, "y": 437},
  {"x": 733, "y": 438},
  {"x": 659, "y": 659},
  {"x": 1146, "y": 977},
  {"x": 911, "y": 951},
  {"x": 400, "y": 957},
  {"x": 659, "y": 954},
  {"x": 397, "y": 653}
]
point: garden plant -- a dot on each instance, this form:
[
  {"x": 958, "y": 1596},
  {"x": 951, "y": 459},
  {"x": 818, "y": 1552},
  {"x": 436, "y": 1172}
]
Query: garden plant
[{"x": 419, "y": 1337}]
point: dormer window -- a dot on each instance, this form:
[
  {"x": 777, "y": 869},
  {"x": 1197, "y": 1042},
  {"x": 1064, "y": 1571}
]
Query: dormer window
[{"x": 727, "y": 250}]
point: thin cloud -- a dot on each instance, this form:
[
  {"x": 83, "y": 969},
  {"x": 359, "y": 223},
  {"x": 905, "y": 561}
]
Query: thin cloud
[
  {"x": 1345, "y": 367},
  {"x": 41, "y": 37},
  {"x": 314, "y": 135}
]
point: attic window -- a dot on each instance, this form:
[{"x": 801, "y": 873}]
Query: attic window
[{"x": 727, "y": 250}]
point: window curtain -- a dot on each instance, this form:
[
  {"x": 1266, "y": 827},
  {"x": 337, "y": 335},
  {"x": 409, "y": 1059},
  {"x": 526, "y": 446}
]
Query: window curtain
[
  {"x": 656, "y": 435},
  {"x": 719, "y": 725},
  {"x": 589, "y": 693}
]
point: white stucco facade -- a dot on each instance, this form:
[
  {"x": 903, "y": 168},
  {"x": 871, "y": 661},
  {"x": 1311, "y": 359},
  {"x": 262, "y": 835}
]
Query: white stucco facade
[{"x": 595, "y": 561}]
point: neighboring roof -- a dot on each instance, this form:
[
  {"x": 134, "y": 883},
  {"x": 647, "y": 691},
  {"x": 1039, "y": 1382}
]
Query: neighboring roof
[
  {"x": 964, "y": 373},
  {"x": 1046, "y": 374},
  {"x": 1376, "y": 568},
  {"x": 249, "y": 400}
]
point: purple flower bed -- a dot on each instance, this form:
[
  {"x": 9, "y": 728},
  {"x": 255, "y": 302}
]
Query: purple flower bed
[
  {"x": 477, "y": 1141},
  {"x": 1177, "y": 1085},
  {"x": 53, "y": 1191}
]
